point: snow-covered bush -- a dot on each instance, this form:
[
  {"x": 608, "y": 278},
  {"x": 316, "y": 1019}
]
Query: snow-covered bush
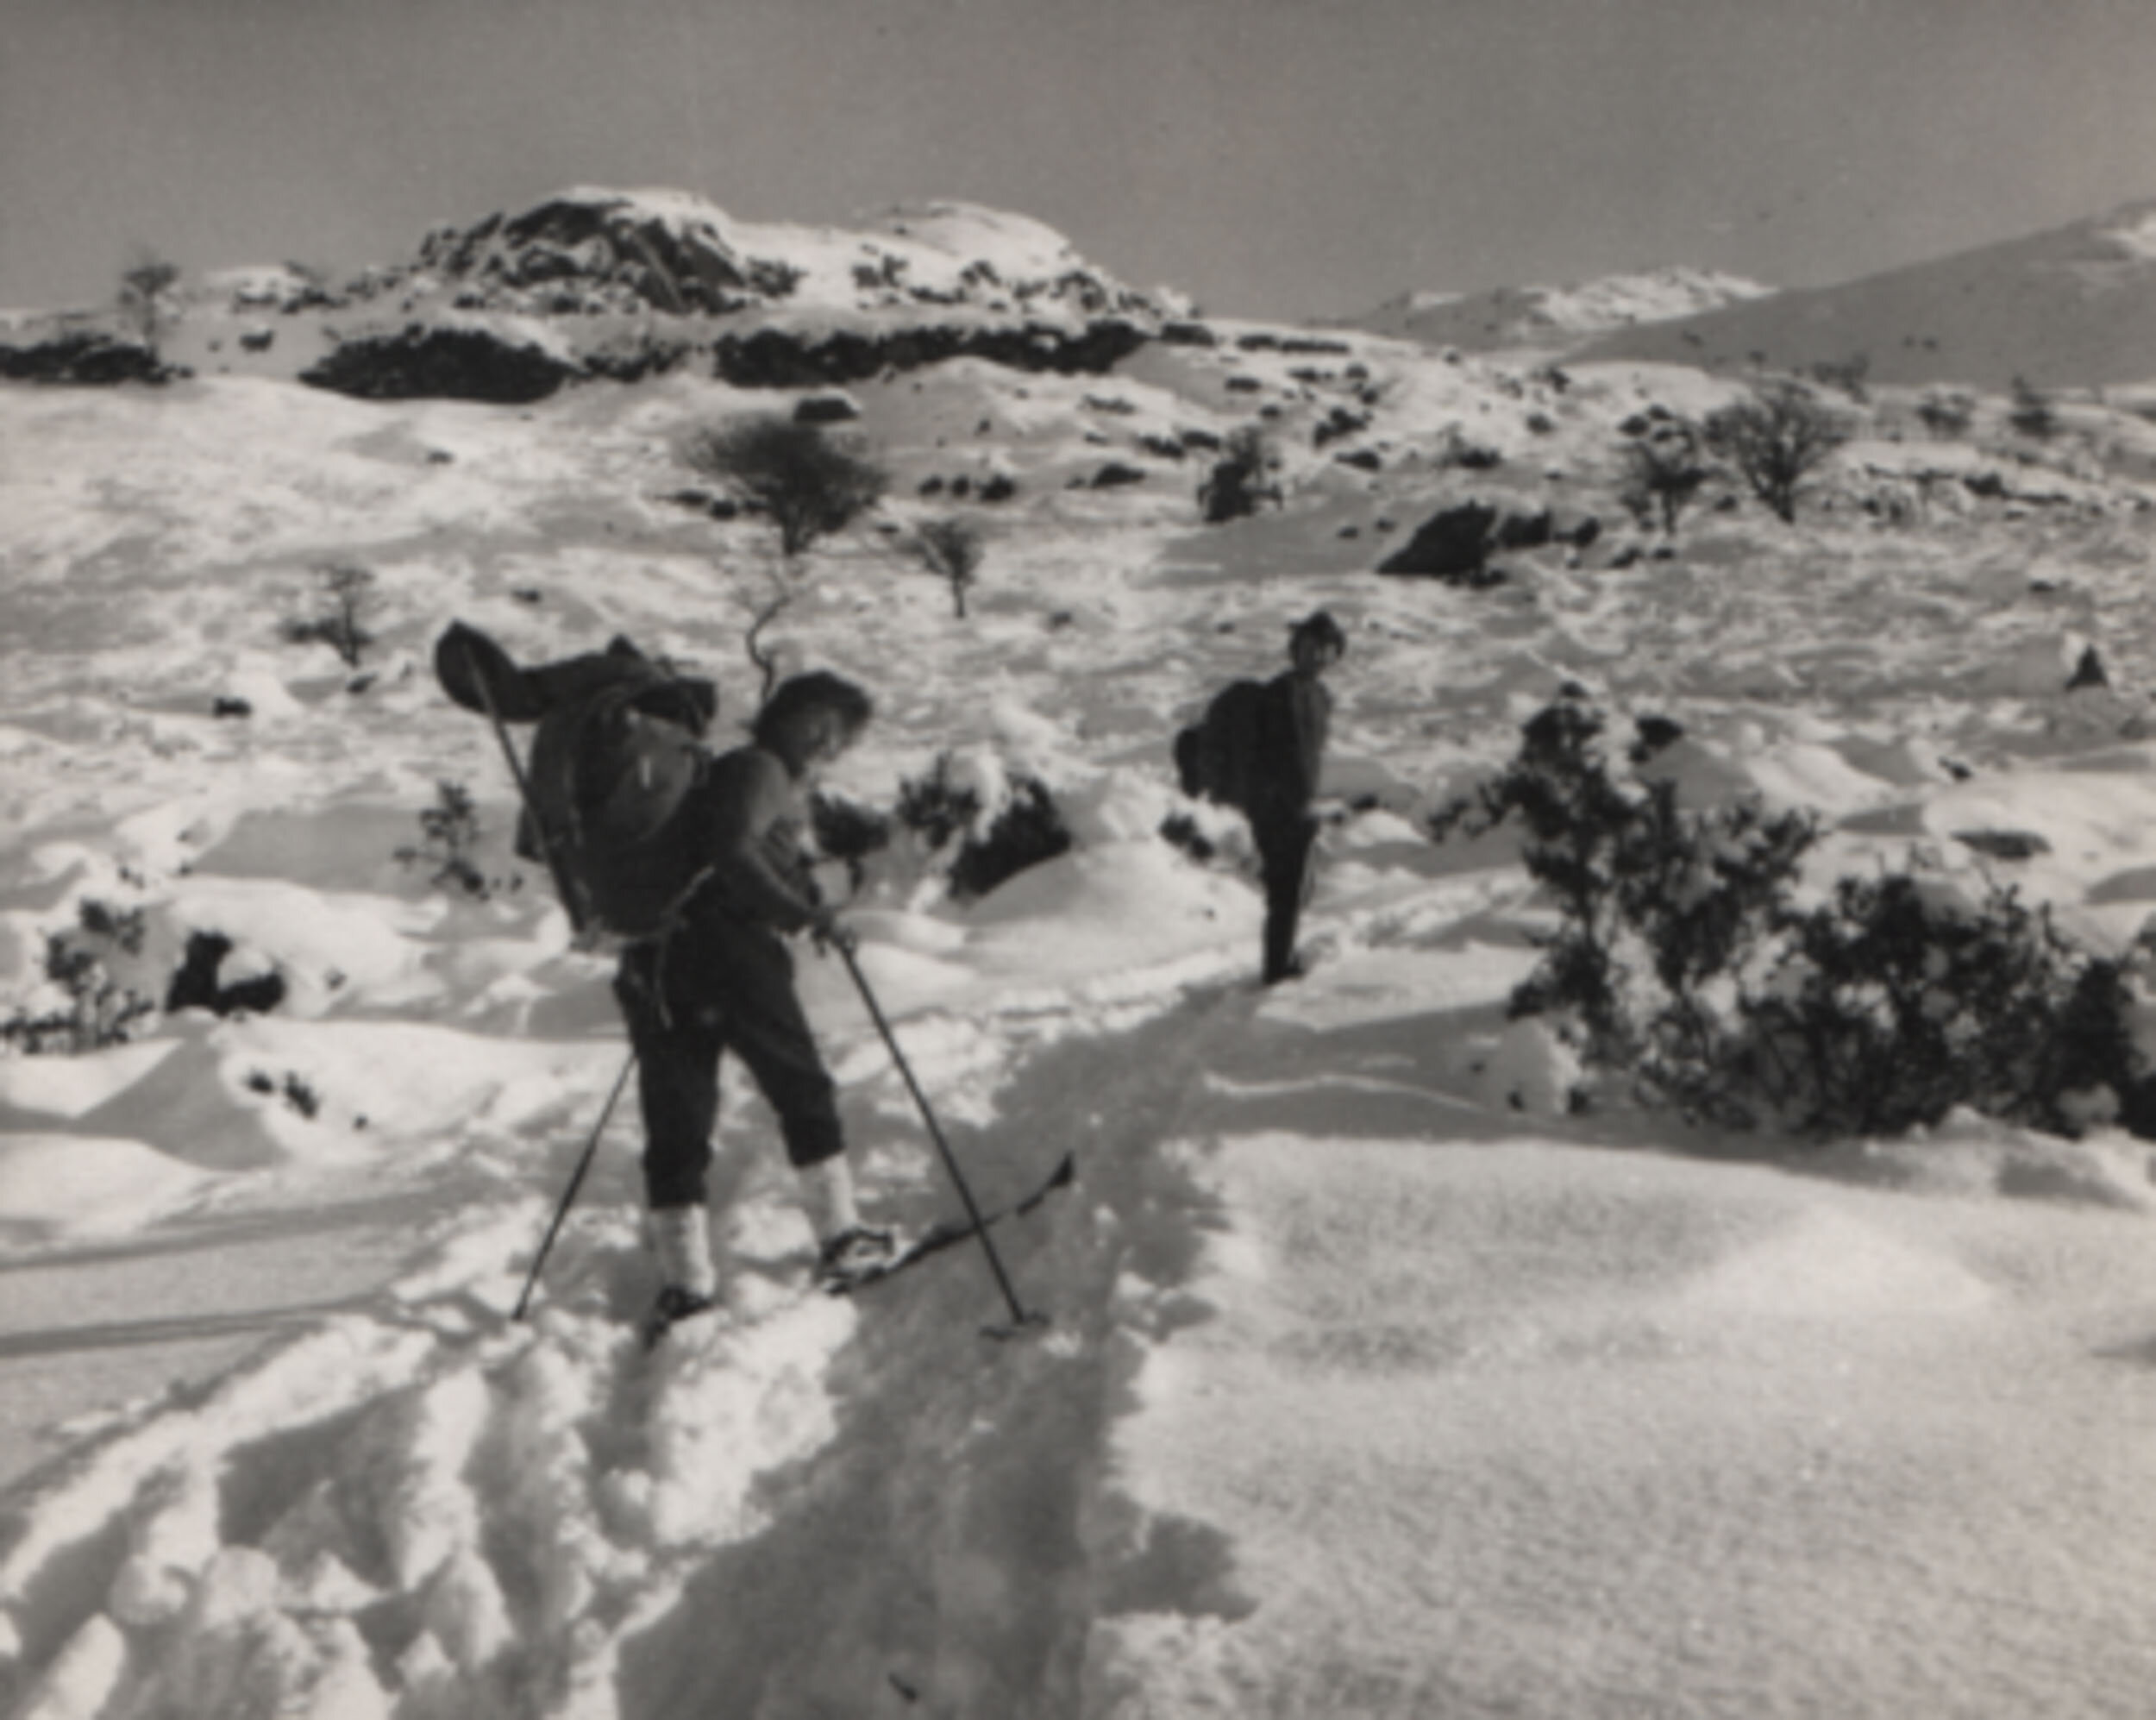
[
  {"x": 1001, "y": 822},
  {"x": 80, "y": 1006},
  {"x": 1683, "y": 960},
  {"x": 1893, "y": 1001}
]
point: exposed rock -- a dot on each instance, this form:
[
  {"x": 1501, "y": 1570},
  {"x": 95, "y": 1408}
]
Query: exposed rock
[
  {"x": 1458, "y": 543},
  {"x": 428, "y": 363},
  {"x": 85, "y": 356},
  {"x": 1651, "y": 735},
  {"x": 833, "y": 408},
  {"x": 1115, "y": 473},
  {"x": 2004, "y": 844},
  {"x": 783, "y": 358},
  {"x": 610, "y": 251},
  {"x": 2089, "y": 671},
  {"x": 195, "y": 984}
]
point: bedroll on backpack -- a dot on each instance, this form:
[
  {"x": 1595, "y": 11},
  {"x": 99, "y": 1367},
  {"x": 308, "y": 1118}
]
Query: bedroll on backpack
[
  {"x": 618, "y": 748},
  {"x": 1217, "y": 757}
]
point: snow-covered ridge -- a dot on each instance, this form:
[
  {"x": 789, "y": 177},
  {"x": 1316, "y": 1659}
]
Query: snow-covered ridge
[
  {"x": 589, "y": 249},
  {"x": 1618, "y": 300},
  {"x": 1544, "y": 316}
]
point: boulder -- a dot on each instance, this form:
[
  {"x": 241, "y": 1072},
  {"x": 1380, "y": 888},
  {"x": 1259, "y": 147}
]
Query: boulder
[
  {"x": 832, "y": 408},
  {"x": 1456, "y": 542}
]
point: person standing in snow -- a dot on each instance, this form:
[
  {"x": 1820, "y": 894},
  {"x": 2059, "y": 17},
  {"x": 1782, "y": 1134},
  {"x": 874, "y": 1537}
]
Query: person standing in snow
[
  {"x": 722, "y": 979},
  {"x": 1293, "y": 715},
  {"x": 1259, "y": 749}
]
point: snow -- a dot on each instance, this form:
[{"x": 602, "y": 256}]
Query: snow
[{"x": 1379, "y": 1379}]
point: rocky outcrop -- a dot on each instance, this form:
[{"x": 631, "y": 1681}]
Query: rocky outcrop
[
  {"x": 774, "y": 357},
  {"x": 85, "y": 356},
  {"x": 1456, "y": 542},
  {"x": 599, "y": 251}
]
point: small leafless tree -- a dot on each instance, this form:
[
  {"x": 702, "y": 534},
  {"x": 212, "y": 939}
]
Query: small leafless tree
[
  {"x": 807, "y": 482},
  {"x": 350, "y": 591},
  {"x": 1776, "y": 440},
  {"x": 145, "y": 285},
  {"x": 953, "y": 548}
]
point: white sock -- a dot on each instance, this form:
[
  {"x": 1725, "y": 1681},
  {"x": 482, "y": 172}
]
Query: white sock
[
  {"x": 827, "y": 1194},
  {"x": 682, "y": 1236}
]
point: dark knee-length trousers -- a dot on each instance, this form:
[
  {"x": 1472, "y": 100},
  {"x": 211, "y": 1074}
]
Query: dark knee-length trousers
[
  {"x": 1284, "y": 840},
  {"x": 688, "y": 1003}
]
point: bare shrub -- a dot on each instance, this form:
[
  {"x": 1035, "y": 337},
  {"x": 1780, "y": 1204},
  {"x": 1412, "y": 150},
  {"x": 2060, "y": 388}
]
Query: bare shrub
[
  {"x": 1776, "y": 440},
  {"x": 809, "y": 483},
  {"x": 350, "y": 591},
  {"x": 953, "y": 548},
  {"x": 81, "y": 1007},
  {"x": 146, "y": 287}
]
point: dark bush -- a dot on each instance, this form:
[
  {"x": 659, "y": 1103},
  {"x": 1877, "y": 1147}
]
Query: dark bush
[
  {"x": 1684, "y": 958},
  {"x": 1238, "y": 480},
  {"x": 1776, "y": 440},
  {"x": 848, "y": 833}
]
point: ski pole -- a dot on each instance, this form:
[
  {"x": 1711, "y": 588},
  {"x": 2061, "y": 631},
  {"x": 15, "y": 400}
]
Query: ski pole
[
  {"x": 559, "y": 871},
  {"x": 1020, "y": 1317},
  {"x": 576, "y": 1182}
]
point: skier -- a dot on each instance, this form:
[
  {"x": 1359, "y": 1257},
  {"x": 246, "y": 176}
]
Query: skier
[
  {"x": 721, "y": 978},
  {"x": 1292, "y": 716}
]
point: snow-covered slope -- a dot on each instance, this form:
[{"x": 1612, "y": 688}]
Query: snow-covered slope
[
  {"x": 1380, "y": 1378},
  {"x": 2071, "y": 308},
  {"x": 1556, "y": 318}
]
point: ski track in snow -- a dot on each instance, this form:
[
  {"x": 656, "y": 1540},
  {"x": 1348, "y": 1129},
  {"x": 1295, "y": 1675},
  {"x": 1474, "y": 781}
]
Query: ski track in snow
[{"x": 525, "y": 1519}]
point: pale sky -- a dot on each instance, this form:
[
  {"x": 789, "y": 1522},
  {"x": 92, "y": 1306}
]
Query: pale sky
[{"x": 1274, "y": 158}]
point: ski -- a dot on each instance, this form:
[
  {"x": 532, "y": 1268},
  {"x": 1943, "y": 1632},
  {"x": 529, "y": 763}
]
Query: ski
[
  {"x": 948, "y": 1232},
  {"x": 943, "y": 1234}
]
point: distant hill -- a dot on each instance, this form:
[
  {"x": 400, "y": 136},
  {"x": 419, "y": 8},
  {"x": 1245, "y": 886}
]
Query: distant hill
[
  {"x": 599, "y": 282},
  {"x": 2073, "y": 307},
  {"x": 1556, "y": 318}
]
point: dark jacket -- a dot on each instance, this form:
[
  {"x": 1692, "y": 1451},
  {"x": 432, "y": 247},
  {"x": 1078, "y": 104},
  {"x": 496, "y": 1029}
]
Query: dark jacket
[
  {"x": 745, "y": 822},
  {"x": 1294, "y": 718}
]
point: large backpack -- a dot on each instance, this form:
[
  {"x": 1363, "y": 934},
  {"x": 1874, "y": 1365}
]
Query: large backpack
[
  {"x": 618, "y": 748},
  {"x": 1217, "y": 757}
]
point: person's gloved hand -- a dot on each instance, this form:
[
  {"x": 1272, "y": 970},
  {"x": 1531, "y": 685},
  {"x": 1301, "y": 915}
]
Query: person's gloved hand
[{"x": 829, "y": 932}]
